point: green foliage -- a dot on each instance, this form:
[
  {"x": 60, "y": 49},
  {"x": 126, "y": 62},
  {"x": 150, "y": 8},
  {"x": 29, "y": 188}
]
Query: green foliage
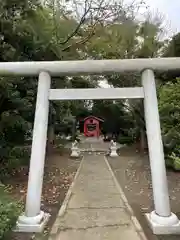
[
  {"x": 12, "y": 158},
  {"x": 9, "y": 211},
  {"x": 128, "y": 140},
  {"x": 173, "y": 48},
  {"x": 16, "y": 106},
  {"x": 173, "y": 161},
  {"x": 169, "y": 107}
]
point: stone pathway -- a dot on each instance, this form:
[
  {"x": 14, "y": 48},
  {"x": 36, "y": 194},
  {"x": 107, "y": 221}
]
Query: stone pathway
[{"x": 95, "y": 207}]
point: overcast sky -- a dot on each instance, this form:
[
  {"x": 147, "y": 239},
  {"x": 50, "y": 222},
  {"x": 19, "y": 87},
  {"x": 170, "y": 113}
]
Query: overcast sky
[{"x": 170, "y": 9}]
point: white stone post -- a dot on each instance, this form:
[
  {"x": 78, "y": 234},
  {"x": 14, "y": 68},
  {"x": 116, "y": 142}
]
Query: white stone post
[
  {"x": 113, "y": 149},
  {"x": 34, "y": 219},
  {"x": 161, "y": 220},
  {"x": 75, "y": 152}
]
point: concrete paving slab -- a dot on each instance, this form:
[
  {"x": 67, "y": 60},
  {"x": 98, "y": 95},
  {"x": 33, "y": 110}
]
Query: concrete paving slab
[
  {"x": 94, "y": 171},
  {"x": 82, "y": 190},
  {"x": 96, "y": 189},
  {"x": 95, "y": 178},
  {"x": 88, "y": 218},
  {"x": 95, "y": 201},
  {"x": 90, "y": 185},
  {"x": 100, "y": 233}
]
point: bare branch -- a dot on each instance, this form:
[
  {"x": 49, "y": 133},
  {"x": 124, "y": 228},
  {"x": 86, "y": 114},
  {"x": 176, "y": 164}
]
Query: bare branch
[
  {"x": 82, "y": 41},
  {"x": 87, "y": 9}
]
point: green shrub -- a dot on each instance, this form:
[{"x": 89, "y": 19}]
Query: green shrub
[
  {"x": 169, "y": 108},
  {"x": 20, "y": 154},
  {"x": 173, "y": 160},
  {"x": 13, "y": 158},
  {"x": 125, "y": 140},
  {"x": 9, "y": 212}
]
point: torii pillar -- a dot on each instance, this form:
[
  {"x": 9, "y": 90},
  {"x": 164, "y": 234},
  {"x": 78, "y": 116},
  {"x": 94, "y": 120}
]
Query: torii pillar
[{"x": 161, "y": 220}]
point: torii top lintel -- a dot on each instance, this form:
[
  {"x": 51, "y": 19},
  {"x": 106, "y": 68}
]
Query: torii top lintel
[{"x": 87, "y": 67}]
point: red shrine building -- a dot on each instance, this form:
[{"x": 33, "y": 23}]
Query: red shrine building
[{"x": 92, "y": 126}]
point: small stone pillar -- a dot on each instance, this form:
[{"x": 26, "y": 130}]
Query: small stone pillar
[
  {"x": 113, "y": 149},
  {"x": 75, "y": 152}
]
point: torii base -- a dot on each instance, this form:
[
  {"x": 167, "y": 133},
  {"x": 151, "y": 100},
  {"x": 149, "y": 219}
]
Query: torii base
[
  {"x": 163, "y": 225},
  {"x": 29, "y": 224}
]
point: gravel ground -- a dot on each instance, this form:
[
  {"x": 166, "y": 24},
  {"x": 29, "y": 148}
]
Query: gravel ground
[{"x": 133, "y": 173}]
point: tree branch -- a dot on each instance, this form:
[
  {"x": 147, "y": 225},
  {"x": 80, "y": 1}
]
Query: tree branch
[
  {"x": 83, "y": 18},
  {"x": 81, "y": 41}
]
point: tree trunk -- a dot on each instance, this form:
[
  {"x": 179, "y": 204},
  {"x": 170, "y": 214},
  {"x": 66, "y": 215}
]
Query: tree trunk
[
  {"x": 143, "y": 141},
  {"x": 51, "y": 138}
]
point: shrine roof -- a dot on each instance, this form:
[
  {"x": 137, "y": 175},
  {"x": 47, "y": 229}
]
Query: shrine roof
[{"x": 97, "y": 118}]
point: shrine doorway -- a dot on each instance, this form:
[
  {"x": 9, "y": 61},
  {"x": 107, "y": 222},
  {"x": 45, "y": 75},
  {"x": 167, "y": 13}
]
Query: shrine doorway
[{"x": 92, "y": 126}]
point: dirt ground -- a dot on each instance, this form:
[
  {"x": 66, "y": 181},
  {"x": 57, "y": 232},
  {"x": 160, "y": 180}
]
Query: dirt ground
[
  {"x": 59, "y": 173},
  {"x": 133, "y": 172}
]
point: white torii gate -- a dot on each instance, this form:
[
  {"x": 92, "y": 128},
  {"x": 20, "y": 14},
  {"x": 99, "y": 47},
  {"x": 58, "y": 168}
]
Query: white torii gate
[{"x": 161, "y": 220}]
